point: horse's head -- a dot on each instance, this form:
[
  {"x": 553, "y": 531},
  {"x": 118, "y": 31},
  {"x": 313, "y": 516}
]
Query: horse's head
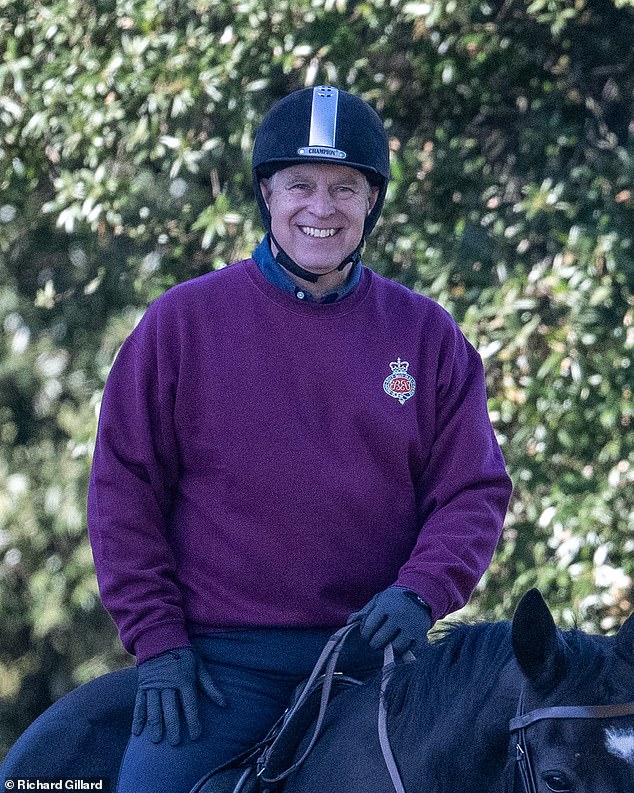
[{"x": 576, "y": 727}]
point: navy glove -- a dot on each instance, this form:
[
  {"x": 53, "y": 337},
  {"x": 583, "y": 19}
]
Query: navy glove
[
  {"x": 167, "y": 681},
  {"x": 396, "y": 615}
]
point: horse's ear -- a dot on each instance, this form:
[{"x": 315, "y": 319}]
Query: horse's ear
[
  {"x": 625, "y": 640},
  {"x": 537, "y": 645}
]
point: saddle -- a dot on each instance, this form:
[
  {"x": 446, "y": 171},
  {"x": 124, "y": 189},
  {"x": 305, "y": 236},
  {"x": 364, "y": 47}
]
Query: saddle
[{"x": 264, "y": 767}]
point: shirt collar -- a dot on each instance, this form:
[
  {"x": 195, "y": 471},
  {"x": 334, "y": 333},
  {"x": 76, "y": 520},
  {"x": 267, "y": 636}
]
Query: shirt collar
[{"x": 278, "y": 276}]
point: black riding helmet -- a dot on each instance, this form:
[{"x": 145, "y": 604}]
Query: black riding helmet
[{"x": 323, "y": 125}]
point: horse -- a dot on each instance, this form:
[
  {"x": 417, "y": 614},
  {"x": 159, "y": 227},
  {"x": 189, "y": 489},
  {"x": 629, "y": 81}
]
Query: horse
[
  {"x": 518, "y": 707},
  {"x": 499, "y": 707}
]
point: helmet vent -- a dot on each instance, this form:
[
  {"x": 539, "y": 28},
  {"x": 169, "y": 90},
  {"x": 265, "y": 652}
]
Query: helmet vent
[{"x": 323, "y": 119}]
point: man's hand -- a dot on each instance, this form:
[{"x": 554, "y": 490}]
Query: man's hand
[
  {"x": 167, "y": 684},
  {"x": 396, "y": 615}
]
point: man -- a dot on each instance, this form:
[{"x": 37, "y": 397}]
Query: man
[{"x": 282, "y": 443}]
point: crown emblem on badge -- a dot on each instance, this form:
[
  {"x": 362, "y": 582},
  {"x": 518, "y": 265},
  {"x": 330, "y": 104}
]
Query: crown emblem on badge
[
  {"x": 399, "y": 366},
  {"x": 400, "y": 384}
]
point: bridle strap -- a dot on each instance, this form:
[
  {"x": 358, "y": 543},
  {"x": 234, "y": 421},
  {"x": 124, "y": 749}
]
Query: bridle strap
[
  {"x": 522, "y": 758},
  {"x": 572, "y": 712},
  {"x": 523, "y": 720},
  {"x": 524, "y": 764}
]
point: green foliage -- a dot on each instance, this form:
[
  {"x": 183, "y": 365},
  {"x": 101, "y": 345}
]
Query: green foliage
[{"x": 125, "y": 135}]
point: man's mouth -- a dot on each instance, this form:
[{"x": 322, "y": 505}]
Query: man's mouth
[{"x": 311, "y": 231}]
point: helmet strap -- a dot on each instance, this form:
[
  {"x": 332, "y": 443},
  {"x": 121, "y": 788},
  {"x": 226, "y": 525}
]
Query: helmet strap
[{"x": 287, "y": 263}]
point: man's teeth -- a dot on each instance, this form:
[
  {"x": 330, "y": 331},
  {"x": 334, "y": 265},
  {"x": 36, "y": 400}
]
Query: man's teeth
[{"x": 312, "y": 232}]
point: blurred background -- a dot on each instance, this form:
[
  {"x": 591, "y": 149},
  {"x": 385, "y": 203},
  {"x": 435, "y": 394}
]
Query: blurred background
[{"x": 126, "y": 129}]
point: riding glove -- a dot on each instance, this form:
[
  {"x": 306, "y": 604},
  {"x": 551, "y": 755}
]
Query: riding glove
[
  {"x": 396, "y": 615},
  {"x": 167, "y": 681}
]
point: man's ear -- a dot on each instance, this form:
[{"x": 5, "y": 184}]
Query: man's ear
[
  {"x": 265, "y": 188},
  {"x": 372, "y": 197}
]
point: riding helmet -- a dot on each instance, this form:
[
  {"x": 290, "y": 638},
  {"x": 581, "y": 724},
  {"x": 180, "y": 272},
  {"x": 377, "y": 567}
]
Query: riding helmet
[{"x": 324, "y": 125}]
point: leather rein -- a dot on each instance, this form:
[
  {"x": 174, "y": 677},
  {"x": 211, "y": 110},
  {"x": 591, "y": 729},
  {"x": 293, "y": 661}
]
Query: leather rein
[
  {"x": 325, "y": 669},
  {"x": 523, "y": 720}
]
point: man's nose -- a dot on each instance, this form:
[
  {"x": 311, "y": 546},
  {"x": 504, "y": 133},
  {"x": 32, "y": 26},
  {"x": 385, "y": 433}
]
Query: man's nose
[{"x": 322, "y": 203}]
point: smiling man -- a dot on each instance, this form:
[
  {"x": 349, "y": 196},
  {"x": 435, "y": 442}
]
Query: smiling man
[
  {"x": 284, "y": 445},
  {"x": 318, "y": 214}
]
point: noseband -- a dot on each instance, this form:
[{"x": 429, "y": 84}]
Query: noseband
[{"x": 523, "y": 720}]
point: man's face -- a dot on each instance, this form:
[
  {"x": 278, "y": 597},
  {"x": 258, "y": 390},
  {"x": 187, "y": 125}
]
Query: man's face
[{"x": 318, "y": 212}]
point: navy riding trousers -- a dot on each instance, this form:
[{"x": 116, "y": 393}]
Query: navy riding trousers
[{"x": 257, "y": 672}]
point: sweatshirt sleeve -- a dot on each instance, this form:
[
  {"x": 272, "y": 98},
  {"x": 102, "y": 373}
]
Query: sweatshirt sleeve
[
  {"x": 134, "y": 473},
  {"x": 464, "y": 490}
]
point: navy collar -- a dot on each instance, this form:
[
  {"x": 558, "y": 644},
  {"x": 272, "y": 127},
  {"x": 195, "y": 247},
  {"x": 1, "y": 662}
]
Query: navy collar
[{"x": 278, "y": 276}]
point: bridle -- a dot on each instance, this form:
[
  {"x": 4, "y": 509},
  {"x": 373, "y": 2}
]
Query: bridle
[
  {"x": 517, "y": 725},
  {"x": 522, "y": 721}
]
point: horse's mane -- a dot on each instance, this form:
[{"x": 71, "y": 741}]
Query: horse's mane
[
  {"x": 456, "y": 657},
  {"x": 470, "y": 659}
]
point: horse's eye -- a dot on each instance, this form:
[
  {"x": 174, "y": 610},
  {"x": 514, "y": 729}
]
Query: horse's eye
[{"x": 557, "y": 782}]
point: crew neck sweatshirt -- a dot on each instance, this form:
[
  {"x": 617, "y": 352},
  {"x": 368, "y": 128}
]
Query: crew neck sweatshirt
[{"x": 263, "y": 461}]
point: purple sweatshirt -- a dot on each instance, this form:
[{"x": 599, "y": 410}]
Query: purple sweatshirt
[{"x": 263, "y": 461}]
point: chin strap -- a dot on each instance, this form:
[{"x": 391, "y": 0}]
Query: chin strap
[{"x": 287, "y": 263}]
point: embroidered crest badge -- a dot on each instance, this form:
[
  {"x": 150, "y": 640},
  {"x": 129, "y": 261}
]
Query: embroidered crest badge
[{"x": 400, "y": 384}]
